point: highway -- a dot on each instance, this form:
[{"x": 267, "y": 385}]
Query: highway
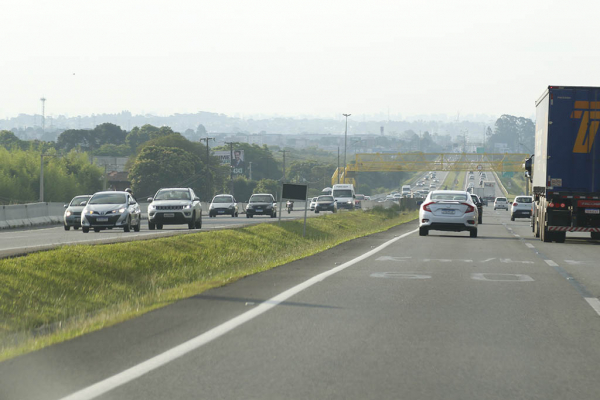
[
  {"x": 21, "y": 241},
  {"x": 391, "y": 315}
]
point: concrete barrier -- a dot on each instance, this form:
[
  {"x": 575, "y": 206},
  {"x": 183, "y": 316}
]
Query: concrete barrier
[{"x": 23, "y": 215}]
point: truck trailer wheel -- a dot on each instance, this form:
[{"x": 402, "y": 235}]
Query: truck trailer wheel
[{"x": 559, "y": 237}]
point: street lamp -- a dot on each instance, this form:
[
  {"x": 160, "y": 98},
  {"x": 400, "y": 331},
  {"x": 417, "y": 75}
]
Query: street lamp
[{"x": 345, "y": 140}]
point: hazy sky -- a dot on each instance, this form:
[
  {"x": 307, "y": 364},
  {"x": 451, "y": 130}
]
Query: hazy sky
[{"x": 291, "y": 58}]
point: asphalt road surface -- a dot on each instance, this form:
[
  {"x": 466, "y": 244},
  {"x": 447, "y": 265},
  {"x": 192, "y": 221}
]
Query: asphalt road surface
[
  {"x": 500, "y": 316},
  {"x": 21, "y": 241}
]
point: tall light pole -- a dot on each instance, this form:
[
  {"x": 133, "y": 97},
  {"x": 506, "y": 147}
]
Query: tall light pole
[
  {"x": 345, "y": 140},
  {"x": 43, "y": 100}
]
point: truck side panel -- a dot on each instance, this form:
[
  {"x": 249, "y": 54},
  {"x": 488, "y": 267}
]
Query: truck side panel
[
  {"x": 573, "y": 156},
  {"x": 541, "y": 143}
]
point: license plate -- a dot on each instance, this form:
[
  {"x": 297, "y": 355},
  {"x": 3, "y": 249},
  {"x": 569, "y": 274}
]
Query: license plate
[
  {"x": 221, "y": 211},
  {"x": 169, "y": 215},
  {"x": 592, "y": 211},
  {"x": 259, "y": 210},
  {"x": 447, "y": 211},
  {"x": 102, "y": 219}
]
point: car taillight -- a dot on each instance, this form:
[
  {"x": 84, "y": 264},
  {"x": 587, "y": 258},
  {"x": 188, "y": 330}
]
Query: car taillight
[
  {"x": 470, "y": 208},
  {"x": 515, "y": 204},
  {"x": 426, "y": 206},
  {"x": 562, "y": 205},
  {"x": 550, "y": 205}
]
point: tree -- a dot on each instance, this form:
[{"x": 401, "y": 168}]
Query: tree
[
  {"x": 267, "y": 186},
  {"x": 159, "y": 166},
  {"x": 147, "y": 132},
  {"x": 201, "y": 130},
  {"x": 9, "y": 140},
  {"x": 243, "y": 188},
  {"x": 264, "y": 166}
]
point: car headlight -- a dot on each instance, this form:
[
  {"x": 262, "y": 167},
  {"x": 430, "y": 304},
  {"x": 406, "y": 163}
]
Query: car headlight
[
  {"x": 151, "y": 206},
  {"x": 349, "y": 202},
  {"x": 249, "y": 206},
  {"x": 121, "y": 210},
  {"x": 90, "y": 212},
  {"x": 187, "y": 206},
  {"x": 68, "y": 213}
]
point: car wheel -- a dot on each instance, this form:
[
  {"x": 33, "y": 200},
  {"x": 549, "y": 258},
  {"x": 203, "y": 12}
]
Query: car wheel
[
  {"x": 159, "y": 226},
  {"x": 127, "y": 227},
  {"x": 199, "y": 223},
  {"x": 423, "y": 231},
  {"x": 274, "y": 215},
  {"x": 151, "y": 226},
  {"x": 237, "y": 214},
  {"x": 233, "y": 214},
  {"x": 560, "y": 237},
  {"x": 192, "y": 223},
  {"x": 76, "y": 227},
  {"x": 85, "y": 229},
  {"x": 247, "y": 215},
  {"x": 96, "y": 230},
  {"x": 316, "y": 211},
  {"x": 67, "y": 227},
  {"x": 473, "y": 233},
  {"x": 138, "y": 226}
]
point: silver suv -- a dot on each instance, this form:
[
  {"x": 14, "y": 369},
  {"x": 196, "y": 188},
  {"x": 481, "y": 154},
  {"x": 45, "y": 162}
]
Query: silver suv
[{"x": 173, "y": 206}]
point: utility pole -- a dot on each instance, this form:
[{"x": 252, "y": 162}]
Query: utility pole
[
  {"x": 231, "y": 164},
  {"x": 283, "y": 151},
  {"x": 345, "y": 142},
  {"x": 209, "y": 178},
  {"x": 250, "y": 169},
  {"x": 42, "y": 176}
]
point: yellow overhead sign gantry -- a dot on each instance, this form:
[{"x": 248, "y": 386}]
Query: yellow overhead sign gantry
[{"x": 390, "y": 162}]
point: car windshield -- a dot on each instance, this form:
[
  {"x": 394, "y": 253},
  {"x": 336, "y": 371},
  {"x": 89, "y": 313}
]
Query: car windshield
[
  {"x": 325, "y": 198},
  {"x": 108, "y": 198},
  {"x": 222, "y": 199},
  {"x": 261, "y": 199},
  {"x": 172, "y": 195},
  {"x": 449, "y": 196},
  {"x": 77, "y": 200},
  {"x": 342, "y": 193},
  {"x": 523, "y": 200}
]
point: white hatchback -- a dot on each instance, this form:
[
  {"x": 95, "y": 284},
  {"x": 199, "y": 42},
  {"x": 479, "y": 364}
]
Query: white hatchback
[
  {"x": 521, "y": 207},
  {"x": 313, "y": 203},
  {"x": 500, "y": 203},
  {"x": 448, "y": 210}
]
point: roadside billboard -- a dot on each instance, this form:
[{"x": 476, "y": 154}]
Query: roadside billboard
[{"x": 237, "y": 163}]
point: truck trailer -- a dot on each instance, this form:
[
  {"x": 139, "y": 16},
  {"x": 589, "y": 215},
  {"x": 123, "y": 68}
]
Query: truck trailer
[{"x": 562, "y": 170}]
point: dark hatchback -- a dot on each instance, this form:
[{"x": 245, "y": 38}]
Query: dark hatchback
[
  {"x": 325, "y": 203},
  {"x": 261, "y": 204}
]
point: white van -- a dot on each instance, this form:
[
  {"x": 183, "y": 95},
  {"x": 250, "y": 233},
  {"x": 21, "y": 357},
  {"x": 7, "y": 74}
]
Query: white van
[
  {"x": 405, "y": 190},
  {"x": 344, "y": 195}
]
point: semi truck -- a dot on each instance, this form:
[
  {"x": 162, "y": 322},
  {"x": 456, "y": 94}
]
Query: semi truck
[
  {"x": 489, "y": 190},
  {"x": 562, "y": 171}
]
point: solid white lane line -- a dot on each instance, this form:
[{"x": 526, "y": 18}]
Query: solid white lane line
[
  {"x": 155, "y": 362},
  {"x": 530, "y": 245},
  {"x": 551, "y": 263},
  {"x": 594, "y": 302}
]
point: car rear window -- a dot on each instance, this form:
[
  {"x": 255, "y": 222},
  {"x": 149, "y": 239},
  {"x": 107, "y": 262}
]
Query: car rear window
[
  {"x": 523, "y": 200},
  {"x": 223, "y": 199},
  {"x": 449, "y": 196},
  {"x": 325, "y": 198},
  {"x": 501, "y": 199}
]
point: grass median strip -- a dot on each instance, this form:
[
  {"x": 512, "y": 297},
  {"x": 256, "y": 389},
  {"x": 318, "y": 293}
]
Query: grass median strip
[{"x": 55, "y": 295}]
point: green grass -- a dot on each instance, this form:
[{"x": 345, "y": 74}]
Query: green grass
[
  {"x": 517, "y": 185},
  {"x": 451, "y": 177},
  {"x": 73, "y": 290}
]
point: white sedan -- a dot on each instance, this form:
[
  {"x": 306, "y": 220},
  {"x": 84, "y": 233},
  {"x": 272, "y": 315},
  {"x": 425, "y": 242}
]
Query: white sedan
[
  {"x": 313, "y": 203},
  {"x": 448, "y": 210}
]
